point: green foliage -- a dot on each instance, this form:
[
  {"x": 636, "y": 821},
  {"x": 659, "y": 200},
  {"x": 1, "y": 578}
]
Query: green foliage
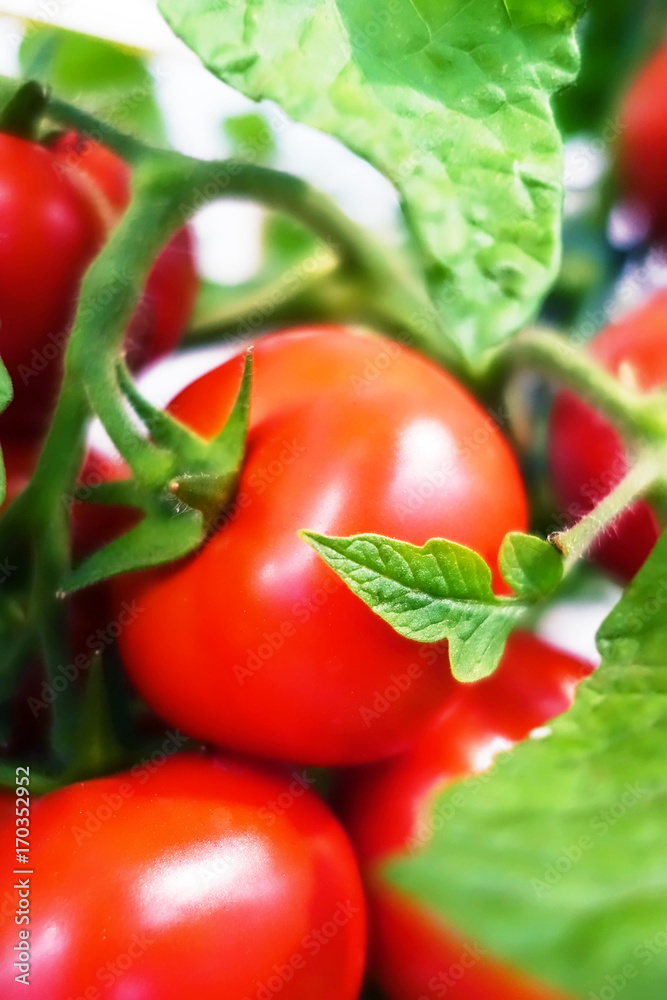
[
  {"x": 105, "y": 79},
  {"x": 531, "y": 566},
  {"x": 439, "y": 591},
  {"x": 449, "y": 100},
  {"x": 556, "y": 861}
]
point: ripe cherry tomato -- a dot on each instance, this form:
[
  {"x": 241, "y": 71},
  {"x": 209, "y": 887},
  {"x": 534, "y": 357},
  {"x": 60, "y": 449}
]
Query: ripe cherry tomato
[
  {"x": 388, "y": 811},
  {"x": 586, "y": 455},
  {"x": 642, "y": 150},
  {"x": 254, "y": 643},
  {"x": 57, "y": 206},
  {"x": 50, "y": 233},
  {"x": 187, "y": 877}
]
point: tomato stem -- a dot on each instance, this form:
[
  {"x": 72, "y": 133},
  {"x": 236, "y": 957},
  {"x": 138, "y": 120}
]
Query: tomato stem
[
  {"x": 640, "y": 417},
  {"x": 20, "y": 115},
  {"x": 575, "y": 542}
]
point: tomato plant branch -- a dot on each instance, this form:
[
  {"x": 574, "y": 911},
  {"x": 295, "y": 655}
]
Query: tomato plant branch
[
  {"x": 268, "y": 298},
  {"x": 640, "y": 417},
  {"x": 574, "y": 542},
  {"x": 383, "y": 289}
]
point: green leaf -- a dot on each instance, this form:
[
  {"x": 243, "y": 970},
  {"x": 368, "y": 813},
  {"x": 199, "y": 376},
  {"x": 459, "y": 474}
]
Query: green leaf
[
  {"x": 439, "y": 591},
  {"x": 105, "y": 79},
  {"x": 557, "y": 860},
  {"x": 170, "y": 531},
  {"x": 449, "y": 99},
  {"x": 532, "y": 567},
  {"x": 6, "y": 393}
]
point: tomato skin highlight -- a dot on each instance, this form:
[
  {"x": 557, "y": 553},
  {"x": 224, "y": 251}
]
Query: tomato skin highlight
[
  {"x": 57, "y": 207},
  {"x": 642, "y": 151},
  {"x": 387, "y": 809},
  {"x": 587, "y": 457},
  {"x": 181, "y": 878},
  {"x": 254, "y": 643}
]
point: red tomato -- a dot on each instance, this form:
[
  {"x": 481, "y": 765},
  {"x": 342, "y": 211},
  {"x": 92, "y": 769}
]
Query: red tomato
[
  {"x": 387, "y": 808},
  {"x": 254, "y": 643},
  {"x": 50, "y": 233},
  {"x": 642, "y": 150},
  {"x": 187, "y": 877},
  {"x": 586, "y": 455},
  {"x": 56, "y": 208}
]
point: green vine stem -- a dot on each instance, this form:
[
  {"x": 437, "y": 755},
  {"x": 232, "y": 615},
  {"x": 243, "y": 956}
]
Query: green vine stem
[
  {"x": 389, "y": 293},
  {"x": 640, "y": 417},
  {"x": 575, "y": 542}
]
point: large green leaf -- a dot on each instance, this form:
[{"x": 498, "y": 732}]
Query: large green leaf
[
  {"x": 449, "y": 99},
  {"x": 106, "y": 79},
  {"x": 558, "y": 862}
]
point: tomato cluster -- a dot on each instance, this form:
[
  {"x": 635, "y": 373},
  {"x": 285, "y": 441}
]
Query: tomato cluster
[{"x": 210, "y": 875}]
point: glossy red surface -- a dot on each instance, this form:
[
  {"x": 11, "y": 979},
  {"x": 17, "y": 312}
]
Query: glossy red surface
[
  {"x": 50, "y": 232},
  {"x": 57, "y": 206},
  {"x": 184, "y": 878},
  {"x": 254, "y": 643},
  {"x": 642, "y": 144}
]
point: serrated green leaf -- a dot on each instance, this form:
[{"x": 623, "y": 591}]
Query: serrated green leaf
[
  {"x": 532, "y": 567},
  {"x": 170, "y": 531},
  {"x": 101, "y": 77},
  {"x": 557, "y": 862},
  {"x": 449, "y": 99},
  {"x": 439, "y": 591}
]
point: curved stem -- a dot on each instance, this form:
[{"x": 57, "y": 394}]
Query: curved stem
[
  {"x": 127, "y": 147},
  {"x": 224, "y": 313},
  {"x": 639, "y": 416},
  {"x": 395, "y": 298},
  {"x": 575, "y": 541}
]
